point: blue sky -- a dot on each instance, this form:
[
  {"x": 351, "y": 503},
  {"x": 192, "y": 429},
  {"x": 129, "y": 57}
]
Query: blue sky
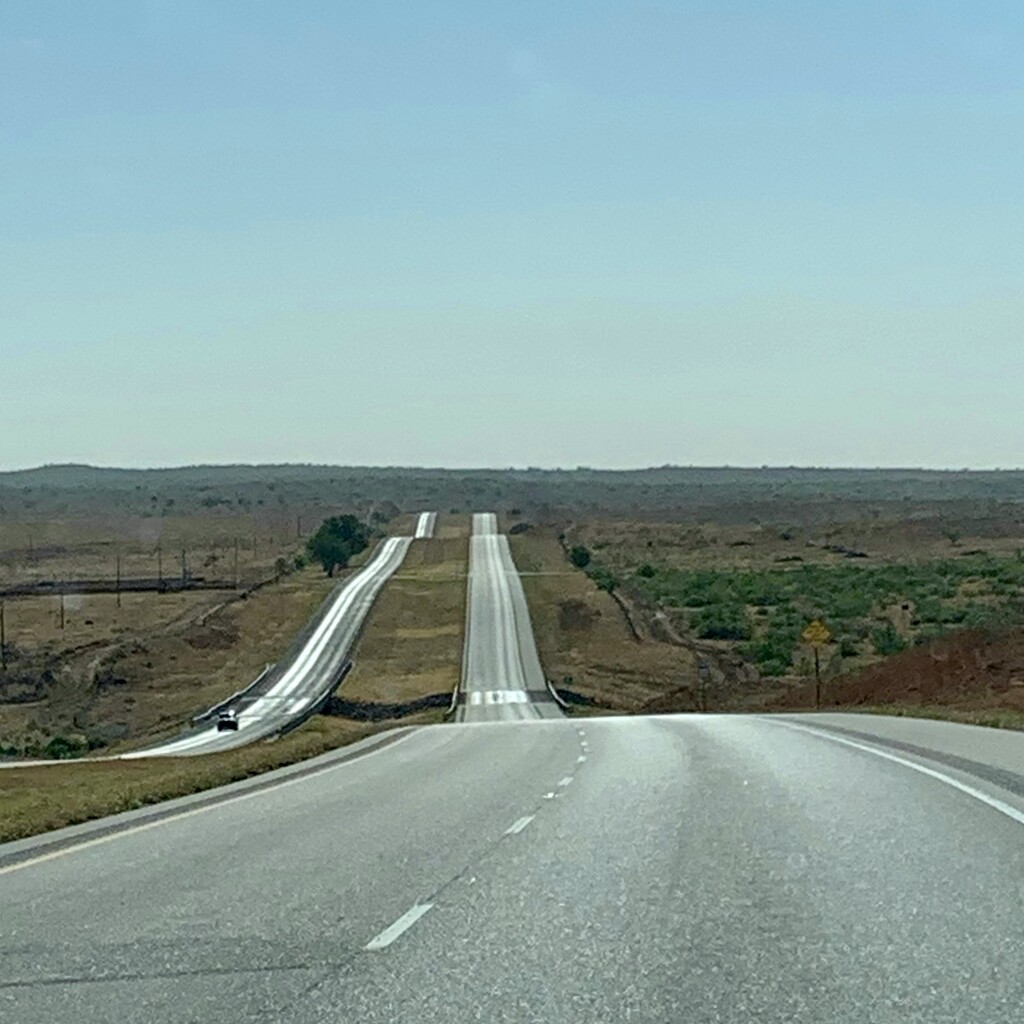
[{"x": 469, "y": 234}]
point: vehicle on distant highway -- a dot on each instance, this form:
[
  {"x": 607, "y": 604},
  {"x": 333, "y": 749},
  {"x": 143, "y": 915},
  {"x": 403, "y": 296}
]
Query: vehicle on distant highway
[{"x": 227, "y": 719}]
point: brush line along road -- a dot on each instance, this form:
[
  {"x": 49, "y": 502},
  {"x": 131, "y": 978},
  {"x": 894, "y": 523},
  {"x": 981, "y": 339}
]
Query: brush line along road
[
  {"x": 502, "y": 677},
  {"x": 688, "y": 868}
]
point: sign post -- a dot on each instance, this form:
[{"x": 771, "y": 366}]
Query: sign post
[
  {"x": 816, "y": 634},
  {"x": 703, "y": 676}
]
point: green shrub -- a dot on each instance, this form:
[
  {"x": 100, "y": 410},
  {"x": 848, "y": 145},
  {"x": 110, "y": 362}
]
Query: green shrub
[
  {"x": 604, "y": 578},
  {"x": 579, "y": 556},
  {"x": 848, "y": 647},
  {"x": 887, "y": 641},
  {"x": 721, "y": 623}
]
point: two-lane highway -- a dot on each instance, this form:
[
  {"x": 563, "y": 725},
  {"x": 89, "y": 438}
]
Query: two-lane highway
[
  {"x": 688, "y": 868},
  {"x": 300, "y": 679},
  {"x": 425, "y": 523},
  {"x": 502, "y": 677}
]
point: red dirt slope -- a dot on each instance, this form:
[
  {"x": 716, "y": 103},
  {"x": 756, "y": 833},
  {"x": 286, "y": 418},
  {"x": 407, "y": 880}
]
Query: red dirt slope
[{"x": 967, "y": 670}]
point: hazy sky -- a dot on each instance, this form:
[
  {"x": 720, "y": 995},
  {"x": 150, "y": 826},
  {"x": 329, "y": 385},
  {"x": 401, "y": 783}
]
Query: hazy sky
[{"x": 520, "y": 233}]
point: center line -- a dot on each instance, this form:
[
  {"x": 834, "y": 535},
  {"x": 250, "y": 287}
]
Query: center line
[
  {"x": 580, "y": 759},
  {"x": 403, "y": 924},
  {"x": 565, "y": 781},
  {"x": 519, "y": 825}
]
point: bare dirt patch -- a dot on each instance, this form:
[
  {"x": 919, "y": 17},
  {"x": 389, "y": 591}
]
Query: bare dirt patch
[{"x": 967, "y": 671}]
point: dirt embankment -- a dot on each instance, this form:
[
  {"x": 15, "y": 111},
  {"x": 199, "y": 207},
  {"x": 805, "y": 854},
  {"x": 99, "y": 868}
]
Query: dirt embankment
[{"x": 970, "y": 670}]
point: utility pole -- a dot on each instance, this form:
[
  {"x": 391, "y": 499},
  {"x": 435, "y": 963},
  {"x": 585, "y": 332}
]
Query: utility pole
[
  {"x": 184, "y": 571},
  {"x": 3, "y": 638},
  {"x": 298, "y": 526}
]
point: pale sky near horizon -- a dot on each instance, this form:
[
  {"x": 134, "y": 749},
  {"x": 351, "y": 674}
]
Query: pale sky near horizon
[{"x": 523, "y": 233}]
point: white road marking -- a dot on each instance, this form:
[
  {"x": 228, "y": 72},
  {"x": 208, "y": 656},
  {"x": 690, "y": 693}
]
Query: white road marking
[
  {"x": 478, "y": 697},
  {"x": 516, "y": 827},
  {"x": 581, "y": 759},
  {"x": 549, "y": 796},
  {"x": 425, "y": 525},
  {"x": 402, "y": 925},
  {"x": 566, "y": 781},
  {"x": 991, "y": 801}
]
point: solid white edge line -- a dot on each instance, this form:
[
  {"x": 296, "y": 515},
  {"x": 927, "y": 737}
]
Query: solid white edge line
[
  {"x": 402, "y": 925},
  {"x": 517, "y": 826},
  {"x": 991, "y": 801},
  {"x": 566, "y": 781}
]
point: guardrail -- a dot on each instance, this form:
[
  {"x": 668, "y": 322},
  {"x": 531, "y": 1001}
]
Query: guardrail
[
  {"x": 453, "y": 707},
  {"x": 228, "y": 701},
  {"x": 556, "y": 696}
]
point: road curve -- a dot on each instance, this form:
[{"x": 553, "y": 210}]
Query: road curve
[
  {"x": 296, "y": 683},
  {"x": 686, "y": 868},
  {"x": 425, "y": 524},
  {"x": 502, "y": 677}
]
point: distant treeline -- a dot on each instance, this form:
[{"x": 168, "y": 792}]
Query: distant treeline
[{"x": 672, "y": 491}]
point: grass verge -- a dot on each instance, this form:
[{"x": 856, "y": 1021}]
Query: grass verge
[
  {"x": 411, "y": 645},
  {"x": 39, "y": 798},
  {"x": 994, "y": 718}
]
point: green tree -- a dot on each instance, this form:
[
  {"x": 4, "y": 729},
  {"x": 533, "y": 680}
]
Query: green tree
[
  {"x": 579, "y": 556},
  {"x": 337, "y": 540}
]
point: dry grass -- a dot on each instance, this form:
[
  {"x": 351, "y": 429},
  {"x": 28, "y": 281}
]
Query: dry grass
[
  {"x": 81, "y": 547},
  {"x": 37, "y": 799},
  {"x": 994, "y": 718},
  {"x": 412, "y": 642},
  {"x": 581, "y": 632},
  {"x": 142, "y": 681}
]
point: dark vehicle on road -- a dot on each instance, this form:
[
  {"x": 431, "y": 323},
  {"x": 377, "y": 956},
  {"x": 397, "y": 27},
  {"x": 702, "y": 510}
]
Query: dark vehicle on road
[{"x": 227, "y": 719}]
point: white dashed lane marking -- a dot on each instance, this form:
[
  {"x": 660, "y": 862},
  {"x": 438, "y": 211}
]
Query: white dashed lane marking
[
  {"x": 518, "y": 826},
  {"x": 566, "y": 781},
  {"x": 402, "y": 925}
]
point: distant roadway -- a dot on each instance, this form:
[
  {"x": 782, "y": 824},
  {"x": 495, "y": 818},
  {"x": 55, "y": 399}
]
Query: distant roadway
[
  {"x": 502, "y": 678},
  {"x": 425, "y": 523},
  {"x": 292, "y": 686}
]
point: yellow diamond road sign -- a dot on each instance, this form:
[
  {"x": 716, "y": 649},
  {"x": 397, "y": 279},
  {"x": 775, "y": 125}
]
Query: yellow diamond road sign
[{"x": 816, "y": 633}]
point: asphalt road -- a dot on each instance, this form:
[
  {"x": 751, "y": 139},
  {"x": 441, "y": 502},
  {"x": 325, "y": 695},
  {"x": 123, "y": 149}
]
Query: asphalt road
[
  {"x": 502, "y": 678},
  {"x": 425, "y": 525},
  {"x": 687, "y": 868},
  {"x": 298, "y": 680}
]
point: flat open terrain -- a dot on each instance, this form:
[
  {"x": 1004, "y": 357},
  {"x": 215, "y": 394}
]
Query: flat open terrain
[{"x": 720, "y": 565}]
